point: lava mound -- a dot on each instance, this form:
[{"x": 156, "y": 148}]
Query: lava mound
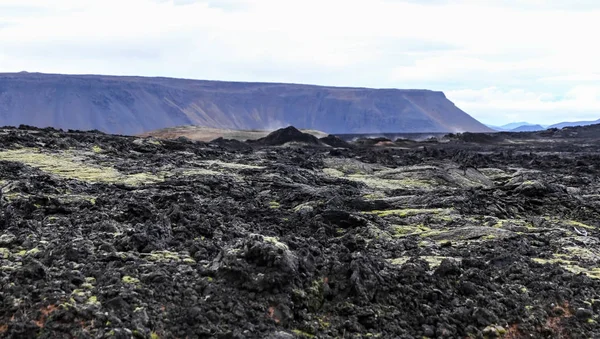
[
  {"x": 231, "y": 144},
  {"x": 285, "y": 135},
  {"x": 334, "y": 141}
]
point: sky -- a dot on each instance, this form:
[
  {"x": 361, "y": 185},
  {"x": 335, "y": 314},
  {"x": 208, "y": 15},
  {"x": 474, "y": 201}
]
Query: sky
[{"x": 499, "y": 60}]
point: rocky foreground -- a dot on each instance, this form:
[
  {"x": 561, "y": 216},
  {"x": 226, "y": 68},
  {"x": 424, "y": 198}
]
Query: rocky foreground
[{"x": 473, "y": 236}]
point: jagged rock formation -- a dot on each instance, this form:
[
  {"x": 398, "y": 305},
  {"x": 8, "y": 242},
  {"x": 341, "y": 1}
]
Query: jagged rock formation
[
  {"x": 133, "y": 105},
  {"x": 105, "y": 236}
]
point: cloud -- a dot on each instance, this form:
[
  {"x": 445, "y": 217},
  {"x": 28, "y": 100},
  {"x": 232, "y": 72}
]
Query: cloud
[{"x": 494, "y": 105}]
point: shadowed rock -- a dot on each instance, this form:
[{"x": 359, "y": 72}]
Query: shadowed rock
[{"x": 286, "y": 135}]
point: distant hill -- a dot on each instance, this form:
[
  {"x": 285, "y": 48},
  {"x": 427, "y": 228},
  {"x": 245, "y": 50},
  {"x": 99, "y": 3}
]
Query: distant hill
[
  {"x": 528, "y": 128},
  {"x": 509, "y": 127},
  {"x": 575, "y": 123},
  {"x": 514, "y": 125},
  {"x": 133, "y": 105}
]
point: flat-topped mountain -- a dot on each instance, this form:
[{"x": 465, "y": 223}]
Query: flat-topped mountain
[{"x": 132, "y": 105}]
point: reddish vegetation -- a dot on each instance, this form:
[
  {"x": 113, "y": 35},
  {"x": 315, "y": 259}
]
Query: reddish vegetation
[
  {"x": 555, "y": 323},
  {"x": 45, "y": 313},
  {"x": 513, "y": 332},
  {"x": 273, "y": 314}
]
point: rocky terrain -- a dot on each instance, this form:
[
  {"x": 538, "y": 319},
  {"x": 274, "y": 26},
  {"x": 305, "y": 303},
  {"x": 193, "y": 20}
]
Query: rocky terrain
[
  {"x": 134, "y": 105},
  {"x": 206, "y": 134},
  {"x": 466, "y": 236}
]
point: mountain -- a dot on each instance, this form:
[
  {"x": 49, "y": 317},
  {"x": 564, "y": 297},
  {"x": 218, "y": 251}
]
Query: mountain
[
  {"x": 513, "y": 125},
  {"x": 509, "y": 127},
  {"x": 528, "y": 128},
  {"x": 132, "y": 105},
  {"x": 575, "y": 123}
]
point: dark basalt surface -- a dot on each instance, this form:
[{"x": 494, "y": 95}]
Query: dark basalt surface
[
  {"x": 104, "y": 236},
  {"x": 286, "y": 135}
]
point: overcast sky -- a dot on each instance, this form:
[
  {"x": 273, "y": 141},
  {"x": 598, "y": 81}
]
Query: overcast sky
[{"x": 499, "y": 60}]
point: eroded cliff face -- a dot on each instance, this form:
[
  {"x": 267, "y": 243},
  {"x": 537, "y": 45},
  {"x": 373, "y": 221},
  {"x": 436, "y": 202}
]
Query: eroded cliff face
[{"x": 131, "y": 105}]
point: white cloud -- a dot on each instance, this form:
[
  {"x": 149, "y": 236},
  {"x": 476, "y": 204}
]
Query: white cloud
[
  {"x": 538, "y": 46},
  {"x": 495, "y": 106}
]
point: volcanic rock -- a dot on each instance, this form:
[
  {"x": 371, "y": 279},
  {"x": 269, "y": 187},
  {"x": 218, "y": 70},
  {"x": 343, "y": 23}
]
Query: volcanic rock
[
  {"x": 105, "y": 236},
  {"x": 334, "y": 141},
  {"x": 287, "y": 135}
]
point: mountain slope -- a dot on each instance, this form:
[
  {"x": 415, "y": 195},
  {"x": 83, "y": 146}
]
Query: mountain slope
[{"x": 131, "y": 105}]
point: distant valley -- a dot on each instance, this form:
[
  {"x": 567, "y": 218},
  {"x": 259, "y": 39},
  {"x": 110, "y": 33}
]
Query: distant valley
[{"x": 134, "y": 105}]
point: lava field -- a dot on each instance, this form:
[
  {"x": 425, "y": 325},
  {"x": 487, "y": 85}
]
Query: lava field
[{"x": 465, "y": 236}]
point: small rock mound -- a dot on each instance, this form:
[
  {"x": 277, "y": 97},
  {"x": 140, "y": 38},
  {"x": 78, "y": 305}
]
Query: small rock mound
[
  {"x": 334, "y": 141},
  {"x": 285, "y": 135},
  {"x": 476, "y": 137},
  {"x": 231, "y": 144}
]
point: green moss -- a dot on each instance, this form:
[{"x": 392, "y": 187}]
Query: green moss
[
  {"x": 403, "y": 213},
  {"x": 87, "y": 286},
  {"x": 93, "y": 300},
  {"x": 230, "y": 165},
  {"x": 403, "y": 231},
  {"x": 303, "y": 334},
  {"x": 399, "y": 261},
  {"x": 162, "y": 256},
  {"x": 78, "y": 292},
  {"x": 374, "y": 196},
  {"x": 195, "y": 171},
  {"x": 570, "y": 266},
  {"x": 97, "y": 149},
  {"x": 33, "y": 251},
  {"x": 579, "y": 224},
  {"x": 274, "y": 205},
  {"x": 432, "y": 233},
  {"x": 168, "y": 256},
  {"x": 323, "y": 322},
  {"x": 315, "y": 295},
  {"x": 433, "y": 261},
  {"x": 333, "y": 172},
  {"x": 130, "y": 280},
  {"x": 380, "y": 183},
  {"x": 153, "y": 335},
  {"x": 68, "y": 166},
  {"x": 551, "y": 261},
  {"x": 4, "y": 253},
  {"x": 275, "y": 241}
]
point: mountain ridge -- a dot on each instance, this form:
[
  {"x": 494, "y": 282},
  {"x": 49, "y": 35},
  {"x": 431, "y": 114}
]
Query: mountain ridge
[{"x": 133, "y": 105}]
